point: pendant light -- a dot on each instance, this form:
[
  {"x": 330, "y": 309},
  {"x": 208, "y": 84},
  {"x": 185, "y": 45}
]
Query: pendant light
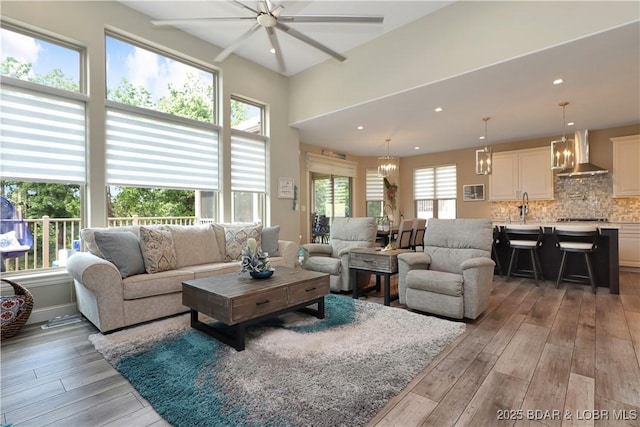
[
  {"x": 563, "y": 150},
  {"x": 387, "y": 165},
  {"x": 483, "y": 156}
]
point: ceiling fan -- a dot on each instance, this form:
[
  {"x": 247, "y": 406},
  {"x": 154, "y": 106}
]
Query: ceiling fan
[{"x": 268, "y": 16}]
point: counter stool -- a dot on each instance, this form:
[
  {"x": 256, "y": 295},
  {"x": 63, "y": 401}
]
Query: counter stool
[
  {"x": 521, "y": 237},
  {"x": 494, "y": 252},
  {"x": 578, "y": 239}
]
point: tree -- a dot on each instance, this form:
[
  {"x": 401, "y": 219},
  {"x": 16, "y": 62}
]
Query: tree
[
  {"x": 193, "y": 100},
  {"x": 127, "y": 93},
  {"x": 147, "y": 202}
]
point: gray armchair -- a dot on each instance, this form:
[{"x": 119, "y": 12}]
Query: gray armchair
[
  {"x": 453, "y": 276},
  {"x": 333, "y": 258}
]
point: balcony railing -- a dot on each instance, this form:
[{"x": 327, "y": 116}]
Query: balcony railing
[{"x": 53, "y": 237}]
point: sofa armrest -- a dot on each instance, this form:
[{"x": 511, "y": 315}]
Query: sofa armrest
[
  {"x": 477, "y": 281},
  {"x": 407, "y": 262},
  {"x": 289, "y": 251},
  {"x": 95, "y": 273}
]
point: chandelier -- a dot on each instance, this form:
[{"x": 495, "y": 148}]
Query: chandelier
[
  {"x": 483, "y": 156},
  {"x": 387, "y": 165},
  {"x": 562, "y": 150}
]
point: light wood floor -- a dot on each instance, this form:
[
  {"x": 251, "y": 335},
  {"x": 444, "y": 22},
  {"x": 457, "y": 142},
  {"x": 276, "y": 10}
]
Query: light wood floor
[{"x": 535, "y": 350}]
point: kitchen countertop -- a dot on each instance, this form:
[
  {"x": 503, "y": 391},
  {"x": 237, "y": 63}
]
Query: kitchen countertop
[{"x": 609, "y": 225}]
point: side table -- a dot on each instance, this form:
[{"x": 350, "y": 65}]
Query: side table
[{"x": 378, "y": 262}]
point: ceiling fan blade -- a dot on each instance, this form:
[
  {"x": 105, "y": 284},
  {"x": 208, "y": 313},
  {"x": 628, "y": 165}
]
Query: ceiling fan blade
[
  {"x": 264, "y": 6},
  {"x": 161, "y": 22},
  {"x": 276, "y": 11},
  {"x": 276, "y": 46},
  {"x": 237, "y": 42},
  {"x": 298, "y": 35},
  {"x": 333, "y": 18},
  {"x": 244, "y": 6}
]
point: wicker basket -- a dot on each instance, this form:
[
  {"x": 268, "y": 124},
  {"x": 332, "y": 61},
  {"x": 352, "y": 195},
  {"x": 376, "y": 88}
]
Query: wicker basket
[{"x": 14, "y": 327}]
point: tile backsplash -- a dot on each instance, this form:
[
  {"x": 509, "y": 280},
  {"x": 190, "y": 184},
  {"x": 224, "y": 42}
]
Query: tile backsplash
[{"x": 575, "y": 197}]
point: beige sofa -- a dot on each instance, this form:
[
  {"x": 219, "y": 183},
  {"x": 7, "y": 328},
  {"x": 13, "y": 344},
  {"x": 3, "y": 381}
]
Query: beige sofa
[{"x": 112, "y": 299}]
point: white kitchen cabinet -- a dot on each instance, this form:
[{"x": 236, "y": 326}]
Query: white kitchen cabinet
[
  {"x": 629, "y": 245},
  {"x": 626, "y": 173},
  {"x": 515, "y": 172}
]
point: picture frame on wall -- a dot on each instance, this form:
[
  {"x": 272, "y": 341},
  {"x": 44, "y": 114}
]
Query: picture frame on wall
[
  {"x": 473, "y": 193},
  {"x": 285, "y": 188}
]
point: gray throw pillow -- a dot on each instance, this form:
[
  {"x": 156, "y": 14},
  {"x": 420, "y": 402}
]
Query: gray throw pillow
[
  {"x": 270, "y": 237},
  {"x": 123, "y": 250}
]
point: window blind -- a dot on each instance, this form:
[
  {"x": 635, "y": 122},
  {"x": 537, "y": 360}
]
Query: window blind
[
  {"x": 374, "y": 186},
  {"x": 248, "y": 164},
  {"x": 446, "y": 182},
  {"x": 42, "y": 136},
  {"x": 435, "y": 183},
  {"x": 148, "y": 151},
  {"x": 331, "y": 166}
]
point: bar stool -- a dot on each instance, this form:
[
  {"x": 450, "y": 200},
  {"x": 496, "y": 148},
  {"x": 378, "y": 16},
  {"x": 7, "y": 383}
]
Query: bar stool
[
  {"x": 521, "y": 237},
  {"x": 578, "y": 239},
  {"x": 494, "y": 252}
]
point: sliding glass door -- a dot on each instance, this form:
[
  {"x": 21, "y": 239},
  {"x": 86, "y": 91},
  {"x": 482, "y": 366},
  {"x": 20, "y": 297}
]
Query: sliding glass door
[{"x": 331, "y": 195}]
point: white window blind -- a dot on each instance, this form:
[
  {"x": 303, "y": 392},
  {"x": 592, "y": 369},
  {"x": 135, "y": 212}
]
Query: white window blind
[
  {"x": 331, "y": 166},
  {"x": 424, "y": 184},
  {"x": 374, "y": 186},
  {"x": 435, "y": 183},
  {"x": 248, "y": 164},
  {"x": 148, "y": 151},
  {"x": 446, "y": 182},
  {"x": 42, "y": 136}
]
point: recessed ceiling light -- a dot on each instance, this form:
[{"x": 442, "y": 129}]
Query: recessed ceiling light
[
  {"x": 570, "y": 124},
  {"x": 416, "y": 148},
  {"x": 557, "y": 81},
  {"x": 482, "y": 137},
  {"x": 272, "y": 50},
  {"x": 360, "y": 127},
  {"x": 438, "y": 109}
]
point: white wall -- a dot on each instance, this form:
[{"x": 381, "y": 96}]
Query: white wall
[{"x": 84, "y": 23}]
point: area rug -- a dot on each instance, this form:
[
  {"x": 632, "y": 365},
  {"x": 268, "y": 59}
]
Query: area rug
[{"x": 296, "y": 370}]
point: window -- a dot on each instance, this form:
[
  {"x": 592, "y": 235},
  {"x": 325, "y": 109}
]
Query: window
[
  {"x": 248, "y": 161},
  {"x": 435, "y": 192},
  {"x": 162, "y": 140},
  {"x": 331, "y": 195},
  {"x": 374, "y": 193},
  {"x": 43, "y": 142}
]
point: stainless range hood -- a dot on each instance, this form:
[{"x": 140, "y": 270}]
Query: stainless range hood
[{"x": 582, "y": 166}]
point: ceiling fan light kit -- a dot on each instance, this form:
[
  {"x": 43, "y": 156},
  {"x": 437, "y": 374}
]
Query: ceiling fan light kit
[{"x": 269, "y": 18}]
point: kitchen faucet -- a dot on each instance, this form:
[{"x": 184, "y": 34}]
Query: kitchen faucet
[{"x": 524, "y": 208}]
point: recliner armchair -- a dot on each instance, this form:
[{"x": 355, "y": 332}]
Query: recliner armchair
[
  {"x": 453, "y": 276},
  {"x": 333, "y": 258}
]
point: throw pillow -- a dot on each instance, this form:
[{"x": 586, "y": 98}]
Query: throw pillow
[
  {"x": 270, "y": 237},
  {"x": 157, "y": 250},
  {"x": 8, "y": 240},
  {"x": 121, "y": 248},
  {"x": 236, "y": 237}
]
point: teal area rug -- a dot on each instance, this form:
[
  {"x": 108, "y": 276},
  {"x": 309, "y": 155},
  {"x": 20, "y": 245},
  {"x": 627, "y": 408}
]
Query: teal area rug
[{"x": 296, "y": 370}]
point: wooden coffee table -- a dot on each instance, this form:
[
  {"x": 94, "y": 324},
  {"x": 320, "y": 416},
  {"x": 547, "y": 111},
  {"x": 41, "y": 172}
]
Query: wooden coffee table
[
  {"x": 378, "y": 262},
  {"x": 237, "y": 300}
]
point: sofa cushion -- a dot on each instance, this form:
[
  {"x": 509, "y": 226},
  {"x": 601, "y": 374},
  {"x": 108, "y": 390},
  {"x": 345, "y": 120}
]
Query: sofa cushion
[
  {"x": 88, "y": 236},
  {"x": 270, "y": 237},
  {"x": 194, "y": 244},
  {"x": 439, "y": 282},
  {"x": 157, "y": 250},
  {"x": 236, "y": 236},
  {"x": 324, "y": 264},
  {"x": 121, "y": 249},
  {"x": 148, "y": 285},
  {"x": 215, "y": 269}
]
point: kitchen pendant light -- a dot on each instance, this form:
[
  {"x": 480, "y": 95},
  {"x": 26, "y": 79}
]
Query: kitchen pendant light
[
  {"x": 483, "y": 156},
  {"x": 387, "y": 165},
  {"x": 563, "y": 150}
]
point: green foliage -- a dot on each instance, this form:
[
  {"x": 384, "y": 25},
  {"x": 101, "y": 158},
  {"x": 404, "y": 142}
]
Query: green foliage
[
  {"x": 239, "y": 112},
  {"x": 37, "y": 199},
  {"x": 11, "y": 67},
  {"x": 129, "y": 201},
  {"x": 193, "y": 100},
  {"x": 127, "y": 93}
]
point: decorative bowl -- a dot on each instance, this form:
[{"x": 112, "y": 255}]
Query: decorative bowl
[{"x": 261, "y": 274}]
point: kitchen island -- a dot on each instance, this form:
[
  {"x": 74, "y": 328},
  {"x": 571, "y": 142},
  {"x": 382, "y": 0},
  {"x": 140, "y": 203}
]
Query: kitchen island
[{"x": 605, "y": 258}]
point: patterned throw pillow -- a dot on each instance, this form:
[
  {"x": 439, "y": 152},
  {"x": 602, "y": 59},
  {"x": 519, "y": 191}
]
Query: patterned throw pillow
[
  {"x": 157, "y": 250},
  {"x": 8, "y": 240},
  {"x": 236, "y": 236}
]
